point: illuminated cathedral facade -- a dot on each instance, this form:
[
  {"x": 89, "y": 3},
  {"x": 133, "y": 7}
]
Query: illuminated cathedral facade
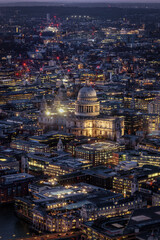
[{"x": 85, "y": 120}]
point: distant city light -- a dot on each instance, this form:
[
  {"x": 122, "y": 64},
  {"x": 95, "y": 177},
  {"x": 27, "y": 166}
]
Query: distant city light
[
  {"x": 80, "y": 105},
  {"x": 50, "y": 29},
  {"x": 48, "y": 113},
  {"x": 61, "y": 110}
]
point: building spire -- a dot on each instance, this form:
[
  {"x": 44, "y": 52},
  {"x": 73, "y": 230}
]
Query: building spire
[{"x": 60, "y": 146}]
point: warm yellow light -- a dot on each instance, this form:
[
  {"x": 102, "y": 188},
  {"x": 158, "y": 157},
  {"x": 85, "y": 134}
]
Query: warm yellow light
[
  {"x": 48, "y": 113},
  {"x": 61, "y": 110},
  {"x": 3, "y": 160}
]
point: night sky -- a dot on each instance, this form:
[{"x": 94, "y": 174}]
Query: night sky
[{"x": 107, "y": 1}]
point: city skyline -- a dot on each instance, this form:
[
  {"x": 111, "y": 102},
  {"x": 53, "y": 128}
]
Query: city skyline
[{"x": 79, "y": 119}]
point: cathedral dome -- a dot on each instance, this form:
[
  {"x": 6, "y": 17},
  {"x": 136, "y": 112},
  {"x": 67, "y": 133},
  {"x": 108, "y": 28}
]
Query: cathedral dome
[
  {"x": 87, "y": 104},
  {"x": 87, "y": 93}
]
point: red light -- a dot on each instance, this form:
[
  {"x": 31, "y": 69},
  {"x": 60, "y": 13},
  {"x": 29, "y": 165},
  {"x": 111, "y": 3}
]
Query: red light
[
  {"x": 57, "y": 58},
  {"x": 54, "y": 16},
  {"x": 57, "y": 25},
  {"x": 24, "y": 64},
  {"x": 68, "y": 70}
]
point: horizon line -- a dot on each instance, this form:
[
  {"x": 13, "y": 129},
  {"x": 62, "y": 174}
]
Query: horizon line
[{"x": 80, "y": 1}]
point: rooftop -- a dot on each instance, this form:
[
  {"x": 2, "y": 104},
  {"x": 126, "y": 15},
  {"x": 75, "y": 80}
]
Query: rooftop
[
  {"x": 8, "y": 179},
  {"x": 100, "y": 146}
]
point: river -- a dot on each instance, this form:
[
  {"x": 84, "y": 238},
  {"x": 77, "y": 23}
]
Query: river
[{"x": 10, "y": 226}]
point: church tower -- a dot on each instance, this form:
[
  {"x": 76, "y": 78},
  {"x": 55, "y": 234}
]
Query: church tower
[
  {"x": 60, "y": 146},
  {"x": 43, "y": 105},
  {"x": 134, "y": 186},
  {"x": 61, "y": 95}
]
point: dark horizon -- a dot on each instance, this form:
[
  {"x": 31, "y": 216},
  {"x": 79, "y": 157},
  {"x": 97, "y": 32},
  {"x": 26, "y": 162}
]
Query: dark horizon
[
  {"x": 88, "y": 3},
  {"x": 81, "y": 1}
]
